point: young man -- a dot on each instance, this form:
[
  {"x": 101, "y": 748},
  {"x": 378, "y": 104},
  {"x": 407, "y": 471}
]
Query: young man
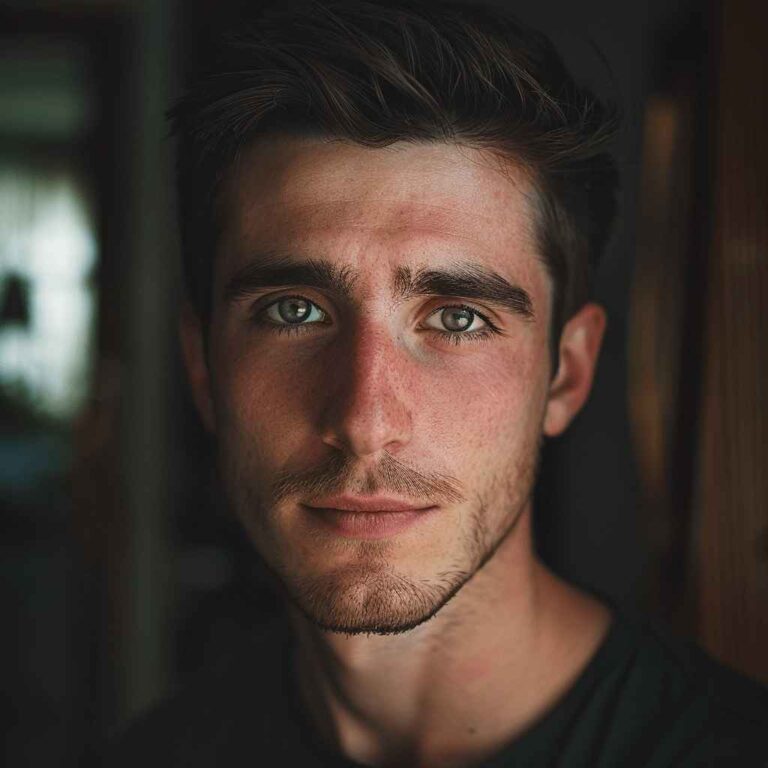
[{"x": 390, "y": 213}]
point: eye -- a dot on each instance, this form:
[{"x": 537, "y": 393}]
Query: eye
[
  {"x": 458, "y": 319},
  {"x": 293, "y": 311},
  {"x": 461, "y": 322}
]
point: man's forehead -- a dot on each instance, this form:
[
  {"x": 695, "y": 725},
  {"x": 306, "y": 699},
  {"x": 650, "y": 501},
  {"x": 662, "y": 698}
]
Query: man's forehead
[
  {"x": 429, "y": 179},
  {"x": 301, "y": 185},
  {"x": 349, "y": 228}
]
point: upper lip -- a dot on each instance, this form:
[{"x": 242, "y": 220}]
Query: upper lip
[{"x": 366, "y": 504}]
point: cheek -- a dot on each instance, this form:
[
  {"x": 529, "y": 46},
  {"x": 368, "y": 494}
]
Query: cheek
[
  {"x": 485, "y": 406},
  {"x": 261, "y": 397}
]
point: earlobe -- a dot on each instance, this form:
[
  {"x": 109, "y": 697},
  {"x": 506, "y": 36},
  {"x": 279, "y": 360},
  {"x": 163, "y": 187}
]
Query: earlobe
[
  {"x": 580, "y": 344},
  {"x": 193, "y": 349}
]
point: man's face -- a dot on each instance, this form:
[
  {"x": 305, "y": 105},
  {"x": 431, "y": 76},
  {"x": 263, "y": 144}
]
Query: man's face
[{"x": 410, "y": 361}]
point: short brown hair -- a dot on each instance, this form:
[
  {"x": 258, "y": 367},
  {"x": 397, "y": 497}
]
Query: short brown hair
[{"x": 376, "y": 73}]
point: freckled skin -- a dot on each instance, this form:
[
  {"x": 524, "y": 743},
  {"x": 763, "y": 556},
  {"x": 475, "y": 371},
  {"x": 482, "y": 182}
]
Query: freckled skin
[
  {"x": 375, "y": 381},
  {"x": 374, "y": 400}
]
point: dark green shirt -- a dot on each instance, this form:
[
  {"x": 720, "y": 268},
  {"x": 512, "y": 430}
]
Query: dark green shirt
[{"x": 644, "y": 700}]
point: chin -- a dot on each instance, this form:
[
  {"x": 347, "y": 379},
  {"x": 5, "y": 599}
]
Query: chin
[{"x": 372, "y": 599}]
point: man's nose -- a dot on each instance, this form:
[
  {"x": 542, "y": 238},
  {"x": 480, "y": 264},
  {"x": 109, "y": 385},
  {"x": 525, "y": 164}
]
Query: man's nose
[{"x": 366, "y": 407}]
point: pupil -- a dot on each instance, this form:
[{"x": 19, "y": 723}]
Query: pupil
[
  {"x": 457, "y": 319},
  {"x": 293, "y": 310}
]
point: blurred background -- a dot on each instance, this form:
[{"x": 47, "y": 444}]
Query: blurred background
[{"x": 120, "y": 573}]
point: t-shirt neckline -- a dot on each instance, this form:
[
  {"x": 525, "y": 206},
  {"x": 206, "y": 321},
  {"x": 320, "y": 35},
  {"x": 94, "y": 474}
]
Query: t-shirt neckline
[{"x": 538, "y": 738}]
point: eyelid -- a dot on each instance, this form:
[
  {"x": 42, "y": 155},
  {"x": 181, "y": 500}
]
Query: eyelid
[
  {"x": 458, "y": 304},
  {"x": 260, "y": 310},
  {"x": 267, "y": 300}
]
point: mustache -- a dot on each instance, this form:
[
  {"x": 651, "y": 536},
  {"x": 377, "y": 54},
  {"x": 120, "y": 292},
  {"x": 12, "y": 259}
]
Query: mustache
[{"x": 337, "y": 476}]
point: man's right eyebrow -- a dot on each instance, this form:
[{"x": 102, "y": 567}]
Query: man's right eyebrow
[{"x": 269, "y": 271}]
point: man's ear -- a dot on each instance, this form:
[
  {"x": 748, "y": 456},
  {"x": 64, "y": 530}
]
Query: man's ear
[
  {"x": 579, "y": 347},
  {"x": 193, "y": 349}
]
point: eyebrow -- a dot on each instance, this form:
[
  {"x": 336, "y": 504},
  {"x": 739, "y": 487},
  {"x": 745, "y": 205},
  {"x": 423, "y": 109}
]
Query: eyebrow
[
  {"x": 473, "y": 281},
  {"x": 469, "y": 280}
]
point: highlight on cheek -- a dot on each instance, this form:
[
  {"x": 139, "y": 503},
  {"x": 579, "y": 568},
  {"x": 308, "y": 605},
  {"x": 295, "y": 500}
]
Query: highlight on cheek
[{"x": 297, "y": 315}]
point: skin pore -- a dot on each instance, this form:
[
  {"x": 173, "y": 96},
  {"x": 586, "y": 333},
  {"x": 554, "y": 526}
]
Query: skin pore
[{"x": 439, "y": 643}]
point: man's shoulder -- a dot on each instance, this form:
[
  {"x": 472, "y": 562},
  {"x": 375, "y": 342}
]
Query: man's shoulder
[
  {"x": 649, "y": 700},
  {"x": 681, "y": 669},
  {"x": 680, "y": 707},
  {"x": 737, "y": 711}
]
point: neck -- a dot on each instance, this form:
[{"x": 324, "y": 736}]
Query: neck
[{"x": 494, "y": 660}]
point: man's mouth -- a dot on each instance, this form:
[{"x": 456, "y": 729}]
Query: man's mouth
[
  {"x": 367, "y": 517},
  {"x": 349, "y": 503}
]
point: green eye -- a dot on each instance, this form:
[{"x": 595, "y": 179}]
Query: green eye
[
  {"x": 294, "y": 310},
  {"x": 458, "y": 319},
  {"x": 463, "y": 324}
]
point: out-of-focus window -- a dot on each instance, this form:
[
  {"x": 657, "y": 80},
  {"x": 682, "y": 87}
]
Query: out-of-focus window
[
  {"x": 47, "y": 256},
  {"x": 47, "y": 243}
]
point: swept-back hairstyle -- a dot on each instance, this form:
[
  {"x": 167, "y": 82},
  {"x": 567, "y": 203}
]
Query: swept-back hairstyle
[{"x": 376, "y": 73}]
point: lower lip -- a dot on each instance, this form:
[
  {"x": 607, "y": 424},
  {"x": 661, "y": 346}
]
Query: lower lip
[{"x": 369, "y": 525}]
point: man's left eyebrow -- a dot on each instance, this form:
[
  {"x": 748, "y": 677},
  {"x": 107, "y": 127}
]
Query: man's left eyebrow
[{"x": 472, "y": 281}]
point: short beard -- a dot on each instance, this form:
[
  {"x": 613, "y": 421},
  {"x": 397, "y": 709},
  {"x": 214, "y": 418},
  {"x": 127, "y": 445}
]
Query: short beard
[{"x": 373, "y": 599}]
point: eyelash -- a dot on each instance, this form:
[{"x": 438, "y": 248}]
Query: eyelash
[{"x": 453, "y": 337}]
